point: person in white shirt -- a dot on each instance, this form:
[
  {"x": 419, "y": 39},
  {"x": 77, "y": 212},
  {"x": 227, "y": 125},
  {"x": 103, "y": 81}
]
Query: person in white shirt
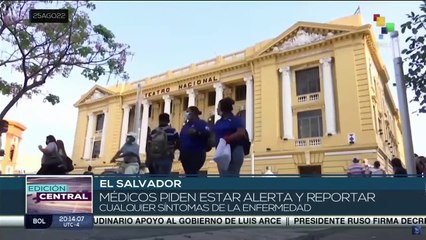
[
  {"x": 367, "y": 168},
  {"x": 377, "y": 171}
]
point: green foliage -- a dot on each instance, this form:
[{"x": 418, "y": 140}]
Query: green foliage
[
  {"x": 53, "y": 99},
  {"x": 43, "y": 51},
  {"x": 415, "y": 55},
  {"x": 12, "y": 89}
]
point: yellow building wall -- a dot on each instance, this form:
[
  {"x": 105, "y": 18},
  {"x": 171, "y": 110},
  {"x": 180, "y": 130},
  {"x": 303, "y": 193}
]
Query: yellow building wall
[
  {"x": 270, "y": 102},
  {"x": 385, "y": 107},
  {"x": 80, "y": 138},
  {"x": 113, "y": 134}
]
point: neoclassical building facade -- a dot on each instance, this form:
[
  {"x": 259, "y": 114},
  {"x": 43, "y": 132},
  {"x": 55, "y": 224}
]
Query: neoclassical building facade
[
  {"x": 11, "y": 142},
  {"x": 312, "y": 98}
]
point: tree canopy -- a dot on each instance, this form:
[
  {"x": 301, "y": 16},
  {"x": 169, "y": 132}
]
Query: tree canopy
[
  {"x": 415, "y": 55},
  {"x": 42, "y": 51}
]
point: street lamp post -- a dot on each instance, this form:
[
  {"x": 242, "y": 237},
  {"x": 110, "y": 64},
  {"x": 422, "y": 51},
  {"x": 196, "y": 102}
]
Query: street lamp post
[
  {"x": 403, "y": 104},
  {"x": 137, "y": 124},
  {"x": 252, "y": 161}
]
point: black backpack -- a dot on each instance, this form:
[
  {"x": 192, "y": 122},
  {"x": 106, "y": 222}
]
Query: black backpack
[
  {"x": 246, "y": 143},
  {"x": 158, "y": 145},
  {"x": 211, "y": 141},
  {"x": 69, "y": 166}
]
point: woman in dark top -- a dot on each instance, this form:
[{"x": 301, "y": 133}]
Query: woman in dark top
[
  {"x": 398, "y": 169},
  {"x": 193, "y": 142},
  {"x": 231, "y": 129}
]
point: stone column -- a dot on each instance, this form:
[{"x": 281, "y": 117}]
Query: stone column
[
  {"x": 249, "y": 105},
  {"x": 219, "y": 88},
  {"x": 104, "y": 133},
  {"x": 330, "y": 112},
  {"x": 191, "y": 97},
  {"x": 89, "y": 134},
  {"x": 144, "y": 126},
  {"x": 286, "y": 103},
  {"x": 167, "y": 103},
  {"x": 125, "y": 124}
]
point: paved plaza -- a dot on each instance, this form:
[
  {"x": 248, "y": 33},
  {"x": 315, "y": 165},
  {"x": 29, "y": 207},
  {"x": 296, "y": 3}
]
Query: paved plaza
[{"x": 186, "y": 233}]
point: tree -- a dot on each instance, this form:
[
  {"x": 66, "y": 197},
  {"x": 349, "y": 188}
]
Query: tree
[
  {"x": 42, "y": 51},
  {"x": 416, "y": 55}
]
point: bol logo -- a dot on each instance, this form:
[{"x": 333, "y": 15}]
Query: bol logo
[{"x": 385, "y": 27}]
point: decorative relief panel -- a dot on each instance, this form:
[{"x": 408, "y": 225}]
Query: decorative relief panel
[{"x": 302, "y": 38}]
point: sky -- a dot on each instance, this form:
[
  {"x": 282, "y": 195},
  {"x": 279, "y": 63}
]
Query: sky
[{"x": 169, "y": 35}]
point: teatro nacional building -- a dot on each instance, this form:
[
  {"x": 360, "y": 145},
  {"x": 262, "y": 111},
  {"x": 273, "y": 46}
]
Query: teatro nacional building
[{"x": 312, "y": 98}]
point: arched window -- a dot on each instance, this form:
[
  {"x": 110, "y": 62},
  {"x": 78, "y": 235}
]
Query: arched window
[{"x": 242, "y": 115}]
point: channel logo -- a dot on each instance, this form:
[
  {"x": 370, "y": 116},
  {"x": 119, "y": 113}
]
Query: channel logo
[
  {"x": 416, "y": 230},
  {"x": 386, "y": 27}
]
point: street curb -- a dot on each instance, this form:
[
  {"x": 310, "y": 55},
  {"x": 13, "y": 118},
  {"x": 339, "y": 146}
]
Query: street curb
[{"x": 317, "y": 235}]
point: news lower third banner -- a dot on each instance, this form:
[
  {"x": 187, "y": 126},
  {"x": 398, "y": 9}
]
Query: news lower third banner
[{"x": 149, "y": 201}]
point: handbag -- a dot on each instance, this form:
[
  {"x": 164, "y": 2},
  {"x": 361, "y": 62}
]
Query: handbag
[{"x": 222, "y": 156}]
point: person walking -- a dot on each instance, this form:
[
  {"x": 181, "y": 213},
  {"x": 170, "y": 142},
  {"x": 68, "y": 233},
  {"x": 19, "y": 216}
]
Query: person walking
[
  {"x": 420, "y": 166},
  {"x": 231, "y": 128},
  {"x": 398, "y": 169},
  {"x": 193, "y": 142},
  {"x": 376, "y": 171},
  {"x": 163, "y": 142},
  {"x": 51, "y": 163},
  {"x": 130, "y": 153},
  {"x": 356, "y": 169},
  {"x": 89, "y": 171}
]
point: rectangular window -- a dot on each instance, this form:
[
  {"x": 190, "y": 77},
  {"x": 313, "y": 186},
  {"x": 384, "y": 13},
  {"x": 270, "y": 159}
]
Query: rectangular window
[
  {"x": 96, "y": 151},
  {"x": 132, "y": 114},
  {"x": 211, "y": 101},
  {"x": 100, "y": 122},
  {"x": 307, "y": 81},
  {"x": 375, "y": 118},
  {"x": 375, "y": 84},
  {"x": 150, "y": 111},
  {"x": 310, "y": 124},
  {"x": 171, "y": 107},
  {"x": 185, "y": 103},
  {"x": 370, "y": 76},
  {"x": 240, "y": 92},
  {"x": 3, "y": 145}
]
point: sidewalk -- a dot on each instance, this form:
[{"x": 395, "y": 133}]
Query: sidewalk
[
  {"x": 198, "y": 233},
  {"x": 365, "y": 233},
  {"x": 369, "y": 233},
  {"x": 243, "y": 234}
]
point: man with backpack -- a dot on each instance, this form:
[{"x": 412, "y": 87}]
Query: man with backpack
[
  {"x": 163, "y": 141},
  {"x": 420, "y": 165}
]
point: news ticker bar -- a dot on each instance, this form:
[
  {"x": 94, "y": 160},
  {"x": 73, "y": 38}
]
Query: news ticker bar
[{"x": 281, "y": 221}]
